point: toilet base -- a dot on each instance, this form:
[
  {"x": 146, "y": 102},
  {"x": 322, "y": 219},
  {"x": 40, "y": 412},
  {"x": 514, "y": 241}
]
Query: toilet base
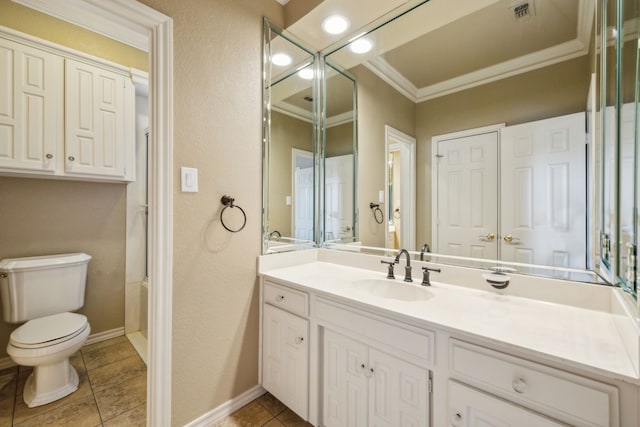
[{"x": 50, "y": 382}]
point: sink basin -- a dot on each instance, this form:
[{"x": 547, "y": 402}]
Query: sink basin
[{"x": 392, "y": 289}]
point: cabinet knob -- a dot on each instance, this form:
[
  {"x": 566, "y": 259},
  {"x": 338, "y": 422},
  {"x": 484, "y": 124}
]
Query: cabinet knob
[
  {"x": 49, "y": 156},
  {"x": 299, "y": 340},
  {"x": 71, "y": 158},
  {"x": 280, "y": 298},
  {"x": 519, "y": 385},
  {"x": 456, "y": 419}
]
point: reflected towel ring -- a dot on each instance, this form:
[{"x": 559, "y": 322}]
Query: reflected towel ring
[
  {"x": 227, "y": 201},
  {"x": 375, "y": 207}
]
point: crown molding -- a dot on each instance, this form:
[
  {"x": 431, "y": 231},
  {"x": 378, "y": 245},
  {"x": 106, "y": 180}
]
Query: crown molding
[
  {"x": 293, "y": 111},
  {"x": 533, "y": 61},
  {"x": 340, "y": 119},
  {"x": 104, "y": 19}
]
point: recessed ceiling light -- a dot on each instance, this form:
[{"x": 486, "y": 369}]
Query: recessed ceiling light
[
  {"x": 361, "y": 46},
  {"x": 306, "y": 73},
  {"x": 281, "y": 59},
  {"x": 335, "y": 24}
]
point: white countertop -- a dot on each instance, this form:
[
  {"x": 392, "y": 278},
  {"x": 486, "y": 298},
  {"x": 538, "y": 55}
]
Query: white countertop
[{"x": 580, "y": 337}]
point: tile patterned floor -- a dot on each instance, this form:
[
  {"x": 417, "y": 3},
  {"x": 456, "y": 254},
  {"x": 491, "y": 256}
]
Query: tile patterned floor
[
  {"x": 112, "y": 391},
  {"x": 265, "y": 411}
]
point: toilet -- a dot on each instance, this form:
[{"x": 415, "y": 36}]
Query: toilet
[{"x": 43, "y": 291}]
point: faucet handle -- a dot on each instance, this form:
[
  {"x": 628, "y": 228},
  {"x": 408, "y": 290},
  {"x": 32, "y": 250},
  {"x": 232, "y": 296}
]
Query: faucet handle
[
  {"x": 425, "y": 275},
  {"x": 390, "y": 264}
]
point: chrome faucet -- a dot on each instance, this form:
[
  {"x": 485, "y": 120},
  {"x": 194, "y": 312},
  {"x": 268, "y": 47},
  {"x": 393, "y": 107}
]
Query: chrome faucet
[
  {"x": 275, "y": 233},
  {"x": 426, "y": 281},
  {"x": 407, "y": 268},
  {"x": 425, "y": 248}
]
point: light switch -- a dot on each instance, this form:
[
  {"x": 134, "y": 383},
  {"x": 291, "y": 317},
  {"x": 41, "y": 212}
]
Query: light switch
[
  {"x": 189, "y": 180},
  {"x": 381, "y": 196},
  {"x": 287, "y": 200}
]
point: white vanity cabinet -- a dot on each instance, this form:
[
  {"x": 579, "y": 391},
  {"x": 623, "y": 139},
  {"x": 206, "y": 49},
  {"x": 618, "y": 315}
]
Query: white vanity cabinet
[
  {"x": 285, "y": 347},
  {"x": 64, "y": 114},
  {"x": 30, "y": 108},
  {"x": 99, "y": 134}
]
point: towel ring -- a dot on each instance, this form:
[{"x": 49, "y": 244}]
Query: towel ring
[
  {"x": 376, "y": 208},
  {"x": 228, "y": 203}
]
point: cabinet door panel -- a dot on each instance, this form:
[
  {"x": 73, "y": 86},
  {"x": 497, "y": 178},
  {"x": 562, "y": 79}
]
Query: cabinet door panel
[
  {"x": 399, "y": 394},
  {"x": 30, "y": 107},
  {"x": 471, "y": 408},
  {"x": 345, "y": 384},
  {"x": 286, "y": 358}
]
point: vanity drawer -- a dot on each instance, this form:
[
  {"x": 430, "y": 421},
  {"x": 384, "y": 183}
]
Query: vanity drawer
[
  {"x": 565, "y": 396},
  {"x": 286, "y": 298}
]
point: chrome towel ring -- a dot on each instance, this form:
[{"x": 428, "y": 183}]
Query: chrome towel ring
[
  {"x": 227, "y": 201},
  {"x": 375, "y": 207}
]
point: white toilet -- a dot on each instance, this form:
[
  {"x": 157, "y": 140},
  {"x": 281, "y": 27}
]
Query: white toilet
[{"x": 43, "y": 291}]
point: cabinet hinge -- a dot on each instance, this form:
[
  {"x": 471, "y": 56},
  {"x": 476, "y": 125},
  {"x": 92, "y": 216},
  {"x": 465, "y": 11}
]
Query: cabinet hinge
[{"x": 430, "y": 385}]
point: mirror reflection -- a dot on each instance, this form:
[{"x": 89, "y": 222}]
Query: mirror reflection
[{"x": 496, "y": 99}]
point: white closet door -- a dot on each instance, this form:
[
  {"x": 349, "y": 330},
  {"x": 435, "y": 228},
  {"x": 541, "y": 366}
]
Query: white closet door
[
  {"x": 399, "y": 392},
  {"x": 31, "y": 122},
  {"x": 339, "y": 197},
  {"x": 466, "y": 196},
  {"x": 543, "y": 192},
  {"x": 95, "y": 123},
  {"x": 344, "y": 385},
  {"x": 303, "y": 204}
]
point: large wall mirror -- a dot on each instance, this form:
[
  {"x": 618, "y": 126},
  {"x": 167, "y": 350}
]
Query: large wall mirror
[
  {"x": 499, "y": 97},
  {"x": 289, "y": 142}
]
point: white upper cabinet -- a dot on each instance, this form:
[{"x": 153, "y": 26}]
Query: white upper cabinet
[
  {"x": 96, "y": 134},
  {"x": 62, "y": 115},
  {"x": 30, "y": 108}
]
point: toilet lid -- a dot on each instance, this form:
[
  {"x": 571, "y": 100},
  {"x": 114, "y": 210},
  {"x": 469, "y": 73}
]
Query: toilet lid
[{"x": 48, "y": 329}]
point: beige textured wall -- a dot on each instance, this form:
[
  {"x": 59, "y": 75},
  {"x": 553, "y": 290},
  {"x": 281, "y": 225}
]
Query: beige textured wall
[
  {"x": 552, "y": 91},
  {"x": 339, "y": 140},
  {"x": 217, "y": 129},
  {"x": 29, "y": 21},
  {"x": 44, "y": 216},
  {"x": 378, "y": 105},
  {"x": 286, "y": 133}
]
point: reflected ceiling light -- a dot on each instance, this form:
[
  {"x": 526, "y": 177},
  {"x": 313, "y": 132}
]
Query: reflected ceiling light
[
  {"x": 306, "y": 73},
  {"x": 335, "y": 24},
  {"x": 361, "y": 46},
  {"x": 281, "y": 59}
]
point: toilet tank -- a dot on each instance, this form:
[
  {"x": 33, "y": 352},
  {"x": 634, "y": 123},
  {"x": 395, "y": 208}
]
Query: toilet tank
[{"x": 40, "y": 286}]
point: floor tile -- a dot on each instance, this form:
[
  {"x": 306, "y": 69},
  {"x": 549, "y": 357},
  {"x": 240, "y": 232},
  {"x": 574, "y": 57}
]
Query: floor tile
[
  {"x": 120, "y": 398},
  {"x": 136, "y": 417},
  {"x": 251, "y": 415},
  {"x": 118, "y": 340},
  {"x": 23, "y": 412},
  {"x": 95, "y": 357},
  {"x": 291, "y": 419},
  {"x": 81, "y": 413},
  {"x": 274, "y": 423},
  {"x": 8, "y": 385},
  {"x": 271, "y": 404},
  {"x": 116, "y": 372}
]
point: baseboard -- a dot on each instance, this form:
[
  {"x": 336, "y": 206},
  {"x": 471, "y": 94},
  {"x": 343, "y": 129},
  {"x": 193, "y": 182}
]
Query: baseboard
[
  {"x": 7, "y": 362},
  {"x": 105, "y": 335},
  {"x": 218, "y": 414}
]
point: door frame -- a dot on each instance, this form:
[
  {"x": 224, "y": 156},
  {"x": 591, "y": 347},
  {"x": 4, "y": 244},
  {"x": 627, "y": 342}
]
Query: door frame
[
  {"x": 147, "y": 29},
  {"x": 435, "y": 140},
  {"x": 407, "y": 144}
]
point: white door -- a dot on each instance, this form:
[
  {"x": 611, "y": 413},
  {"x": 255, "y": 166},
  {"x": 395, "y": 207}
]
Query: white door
[
  {"x": 344, "y": 387},
  {"x": 543, "y": 192},
  {"x": 471, "y": 408},
  {"x": 398, "y": 392},
  {"x": 95, "y": 122},
  {"x": 339, "y": 197},
  {"x": 467, "y": 202},
  {"x": 302, "y": 195},
  {"x": 31, "y": 122},
  {"x": 285, "y": 358}
]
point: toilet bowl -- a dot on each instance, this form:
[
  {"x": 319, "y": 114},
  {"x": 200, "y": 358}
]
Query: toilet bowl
[
  {"x": 42, "y": 291},
  {"x": 46, "y": 344}
]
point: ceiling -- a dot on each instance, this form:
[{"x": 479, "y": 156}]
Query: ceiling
[{"x": 435, "y": 50}]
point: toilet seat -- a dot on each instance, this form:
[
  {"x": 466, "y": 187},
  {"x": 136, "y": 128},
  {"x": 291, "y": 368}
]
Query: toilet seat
[{"x": 49, "y": 330}]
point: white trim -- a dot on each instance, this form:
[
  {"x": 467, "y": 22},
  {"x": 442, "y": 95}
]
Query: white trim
[
  {"x": 104, "y": 335},
  {"x": 293, "y": 111},
  {"x": 340, "y": 119},
  {"x": 434, "y": 170},
  {"x": 97, "y": 17},
  {"x": 395, "y": 138},
  {"x": 227, "y": 408},
  {"x": 130, "y": 18},
  {"x": 6, "y": 363}
]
